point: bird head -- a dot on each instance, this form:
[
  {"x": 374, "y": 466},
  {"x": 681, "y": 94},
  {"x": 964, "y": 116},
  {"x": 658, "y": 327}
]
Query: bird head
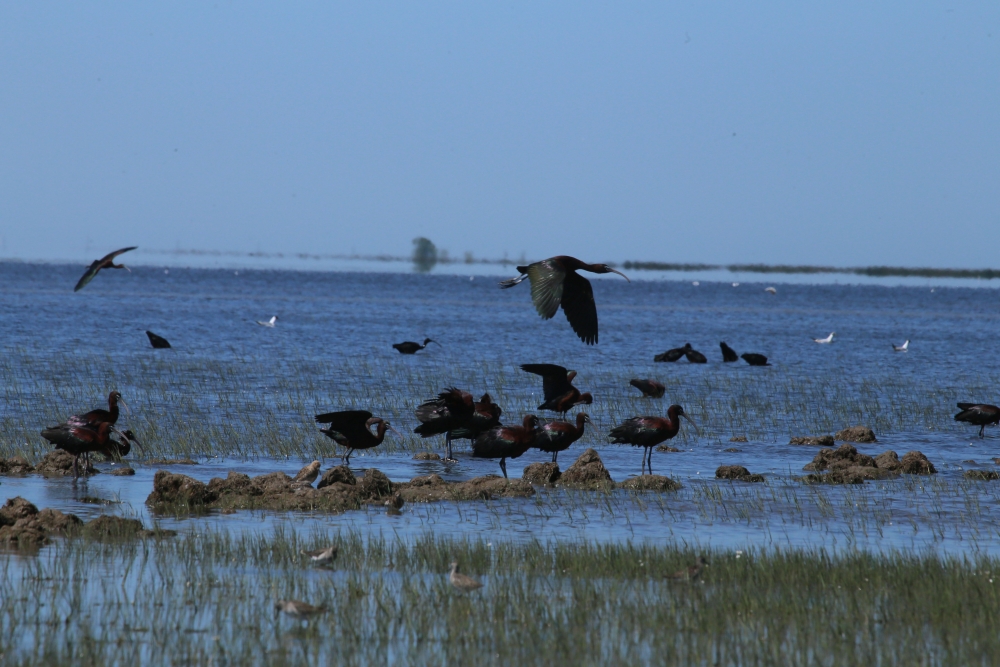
[
  {"x": 530, "y": 422},
  {"x": 486, "y": 399},
  {"x": 585, "y": 399},
  {"x": 604, "y": 268},
  {"x": 428, "y": 340},
  {"x": 584, "y": 418}
]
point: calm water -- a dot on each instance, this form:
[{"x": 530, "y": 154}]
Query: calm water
[{"x": 331, "y": 350}]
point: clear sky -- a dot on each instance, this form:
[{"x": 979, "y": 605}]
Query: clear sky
[{"x": 847, "y": 133}]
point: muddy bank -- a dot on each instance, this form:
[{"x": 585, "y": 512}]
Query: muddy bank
[
  {"x": 23, "y": 525},
  {"x": 57, "y": 463},
  {"x": 738, "y": 473},
  {"x": 846, "y": 465}
]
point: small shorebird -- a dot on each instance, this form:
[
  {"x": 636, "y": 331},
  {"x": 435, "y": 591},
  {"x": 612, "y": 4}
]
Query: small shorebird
[
  {"x": 270, "y": 323},
  {"x": 308, "y": 474},
  {"x": 690, "y": 573},
  {"x": 297, "y": 609},
  {"x": 322, "y": 557},
  {"x": 828, "y": 339},
  {"x": 409, "y": 347},
  {"x": 462, "y": 582},
  {"x": 902, "y": 348},
  {"x": 394, "y": 502}
]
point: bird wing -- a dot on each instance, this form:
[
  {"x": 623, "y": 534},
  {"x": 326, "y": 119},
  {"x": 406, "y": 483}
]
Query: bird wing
[
  {"x": 554, "y": 382},
  {"x": 547, "y": 279},
  {"x": 578, "y": 304},
  {"x": 349, "y": 423},
  {"x": 111, "y": 255},
  {"x": 95, "y": 266}
]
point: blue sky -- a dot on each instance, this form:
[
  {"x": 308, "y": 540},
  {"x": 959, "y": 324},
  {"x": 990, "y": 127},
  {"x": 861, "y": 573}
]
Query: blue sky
[{"x": 848, "y": 134}]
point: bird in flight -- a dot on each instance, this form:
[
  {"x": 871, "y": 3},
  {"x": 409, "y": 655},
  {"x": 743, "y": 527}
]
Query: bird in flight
[
  {"x": 828, "y": 339},
  {"x": 555, "y": 282},
  {"x": 106, "y": 262},
  {"x": 270, "y": 323},
  {"x": 902, "y": 348}
]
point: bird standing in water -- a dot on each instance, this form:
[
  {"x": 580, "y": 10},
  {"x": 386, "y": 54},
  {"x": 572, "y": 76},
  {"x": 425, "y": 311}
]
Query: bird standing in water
[
  {"x": 728, "y": 353},
  {"x": 648, "y": 432},
  {"x": 555, "y": 282},
  {"x": 409, "y": 347},
  {"x": 557, "y": 436},
  {"x": 297, "y": 609},
  {"x": 755, "y": 359},
  {"x": 462, "y": 582},
  {"x": 978, "y": 414},
  {"x": 322, "y": 557},
  {"x": 649, "y": 388},
  {"x": 506, "y": 442},
  {"x": 106, "y": 262},
  {"x": 453, "y": 409},
  {"x": 557, "y": 387},
  {"x": 352, "y": 429},
  {"x": 690, "y": 573}
]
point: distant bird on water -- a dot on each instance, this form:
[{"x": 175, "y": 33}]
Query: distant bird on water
[
  {"x": 555, "y": 282},
  {"x": 462, "y": 582},
  {"x": 557, "y": 387},
  {"x": 694, "y": 356},
  {"x": 828, "y": 339},
  {"x": 159, "y": 342},
  {"x": 506, "y": 442},
  {"x": 771, "y": 290},
  {"x": 728, "y": 353},
  {"x": 453, "y": 409},
  {"x": 106, "y": 262},
  {"x": 978, "y": 414},
  {"x": 409, "y": 347},
  {"x": 557, "y": 436},
  {"x": 755, "y": 359},
  {"x": 352, "y": 429},
  {"x": 485, "y": 415},
  {"x": 690, "y": 573},
  {"x": 673, "y": 354},
  {"x": 322, "y": 557},
  {"x": 902, "y": 348},
  {"x": 650, "y": 388},
  {"x": 297, "y": 609},
  {"x": 270, "y": 323},
  {"x": 648, "y": 432}
]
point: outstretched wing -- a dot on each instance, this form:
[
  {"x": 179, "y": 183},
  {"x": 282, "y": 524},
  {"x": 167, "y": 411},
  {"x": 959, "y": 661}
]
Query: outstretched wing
[
  {"x": 95, "y": 266},
  {"x": 547, "y": 279},
  {"x": 111, "y": 255},
  {"x": 578, "y": 304},
  {"x": 349, "y": 423},
  {"x": 554, "y": 381}
]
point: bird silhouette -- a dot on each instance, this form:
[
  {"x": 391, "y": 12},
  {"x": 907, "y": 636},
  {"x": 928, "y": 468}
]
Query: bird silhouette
[
  {"x": 409, "y": 347},
  {"x": 648, "y": 432},
  {"x": 352, "y": 429},
  {"x": 649, "y": 388},
  {"x": 728, "y": 353},
  {"x": 755, "y": 359},
  {"x": 106, "y": 262},
  {"x": 158, "y": 342},
  {"x": 557, "y": 387},
  {"x": 978, "y": 414}
]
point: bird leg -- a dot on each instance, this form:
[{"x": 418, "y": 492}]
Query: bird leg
[
  {"x": 447, "y": 441},
  {"x": 554, "y": 455},
  {"x": 649, "y": 465},
  {"x": 503, "y": 466},
  {"x": 76, "y": 473},
  {"x": 350, "y": 451},
  {"x": 982, "y": 431}
]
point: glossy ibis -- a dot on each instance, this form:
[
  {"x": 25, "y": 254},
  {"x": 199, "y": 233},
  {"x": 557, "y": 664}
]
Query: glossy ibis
[
  {"x": 485, "y": 415},
  {"x": 106, "y": 262},
  {"x": 555, "y": 282},
  {"x": 557, "y": 436},
  {"x": 453, "y": 409},
  {"x": 694, "y": 356},
  {"x": 322, "y": 557},
  {"x": 506, "y": 442},
  {"x": 648, "y": 432},
  {"x": 825, "y": 341},
  {"x": 100, "y": 415},
  {"x": 269, "y": 323},
  {"x": 673, "y": 354},
  {"x": 649, "y": 388},
  {"x": 409, "y": 347},
  {"x": 462, "y": 582},
  {"x": 352, "y": 429},
  {"x": 159, "y": 342},
  {"x": 728, "y": 353},
  {"x": 557, "y": 386},
  {"x": 297, "y": 609},
  {"x": 755, "y": 359},
  {"x": 80, "y": 439},
  {"x": 902, "y": 348},
  {"x": 690, "y": 573},
  {"x": 978, "y": 414}
]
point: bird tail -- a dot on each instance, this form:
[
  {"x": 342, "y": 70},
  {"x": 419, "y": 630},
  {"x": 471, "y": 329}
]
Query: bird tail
[{"x": 504, "y": 284}]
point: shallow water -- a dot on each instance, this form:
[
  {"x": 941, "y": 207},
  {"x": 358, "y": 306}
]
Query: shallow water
[{"x": 251, "y": 391}]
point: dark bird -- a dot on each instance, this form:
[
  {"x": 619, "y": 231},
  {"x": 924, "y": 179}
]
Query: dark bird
[
  {"x": 352, "y": 429},
  {"x": 485, "y": 415},
  {"x": 755, "y": 359},
  {"x": 506, "y": 442},
  {"x": 462, "y": 582},
  {"x": 557, "y": 386},
  {"x": 694, "y": 356},
  {"x": 649, "y": 388},
  {"x": 297, "y": 609},
  {"x": 80, "y": 440},
  {"x": 100, "y": 415},
  {"x": 558, "y": 436},
  {"x": 116, "y": 450},
  {"x": 978, "y": 414},
  {"x": 690, "y": 573},
  {"x": 106, "y": 262},
  {"x": 648, "y": 432},
  {"x": 453, "y": 409},
  {"x": 673, "y": 354},
  {"x": 409, "y": 347},
  {"x": 159, "y": 342},
  {"x": 555, "y": 282},
  {"x": 728, "y": 353}
]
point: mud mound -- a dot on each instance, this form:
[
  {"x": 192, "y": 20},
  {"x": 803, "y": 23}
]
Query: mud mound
[
  {"x": 15, "y": 466},
  {"x": 22, "y": 525},
  {"x": 818, "y": 441},
  {"x": 587, "y": 472},
  {"x": 861, "y": 434},
  {"x": 174, "y": 489},
  {"x": 848, "y": 466},
  {"x": 888, "y": 460},
  {"x": 429, "y": 489},
  {"x": 915, "y": 463},
  {"x": 427, "y": 456},
  {"x": 982, "y": 475},
  {"x": 120, "y": 472},
  {"x": 737, "y": 472},
  {"x": 541, "y": 473},
  {"x": 649, "y": 483},
  {"x": 738, "y": 438},
  {"x": 341, "y": 474},
  {"x": 60, "y": 463}
]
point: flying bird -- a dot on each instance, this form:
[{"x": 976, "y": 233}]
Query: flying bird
[
  {"x": 270, "y": 323},
  {"x": 902, "y": 348},
  {"x": 106, "y": 262},
  {"x": 409, "y": 347},
  {"x": 555, "y": 282},
  {"x": 828, "y": 339},
  {"x": 557, "y": 387},
  {"x": 728, "y": 353},
  {"x": 159, "y": 342},
  {"x": 978, "y": 414}
]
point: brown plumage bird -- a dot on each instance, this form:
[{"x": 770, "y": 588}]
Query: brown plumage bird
[
  {"x": 728, "y": 353},
  {"x": 352, "y": 429},
  {"x": 506, "y": 442},
  {"x": 409, "y": 347},
  {"x": 648, "y": 432},
  {"x": 978, "y": 414},
  {"x": 81, "y": 439},
  {"x": 673, "y": 354},
  {"x": 557, "y": 436},
  {"x": 690, "y": 573},
  {"x": 100, "y": 415},
  {"x": 557, "y": 387},
  {"x": 297, "y": 609},
  {"x": 555, "y": 282},
  {"x": 755, "y": 359},
  {"x": 308, "y": 474},
  {"x": 106, "y": 262},
  {"x": 453, "y": 409},
  {"x": 462, "y": 582},
  {"x": 649, "y": 387},
  {"x": 322, "y": 557}
]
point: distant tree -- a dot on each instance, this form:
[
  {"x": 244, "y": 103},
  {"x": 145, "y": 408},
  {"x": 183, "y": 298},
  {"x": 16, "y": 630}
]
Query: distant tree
[{"x": 425, "y": 254}]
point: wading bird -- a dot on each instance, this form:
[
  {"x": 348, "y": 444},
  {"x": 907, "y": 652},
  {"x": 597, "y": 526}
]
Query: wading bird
[
  {"x": 453, "y": 409},
  {"x": 308, "y": 474},
  {"x": 755, "y": 359},
  {"x": 556, "y": 437},
  {"x": 270, "y": 323},
  {"x": 649, "y": 388},
  {"x": 673, "y": 354},
  {"x": 352, "y": 429},
  {"x": 978, "y": 414},
  {"x": 694, "y": 356},
  {"x": 728, "y": 353},
  {"x": 409, "y": 347},
  {"x": 648, "y": 432},
  {"x": 100, "y": 415},
  {"x": 555, "y": 282},
  {"x": 81, "y": 440},
  {"x": 297, "y": 609},
  {"x": 159, "y": 342},
  {"x": 690, "y": 573},
  {"x": 557, "y": 386},
  {"x": 827, "y": 340},
  {"x": 506, "y": 442},
  {"x": 462, "y": 582},
  {"x": 322, "y": 557},
  {"x": 902, "y": 348},
  {"x": 106, "y": 262},
  {"x": 485, "y": 415}
]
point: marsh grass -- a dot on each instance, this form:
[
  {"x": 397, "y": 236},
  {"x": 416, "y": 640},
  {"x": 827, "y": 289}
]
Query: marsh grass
[{"x": 207, "y": 597}]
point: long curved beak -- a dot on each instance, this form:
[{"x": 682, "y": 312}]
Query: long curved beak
[
  {"x": 389, "y": 426},
  {"x": 619, "y": 273},
  {"x": 126, "y": 268},
  {"x": 697, "y": 430},
  {"x": 128, "y": 410},
  {"x": 437, "y": 343}
]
